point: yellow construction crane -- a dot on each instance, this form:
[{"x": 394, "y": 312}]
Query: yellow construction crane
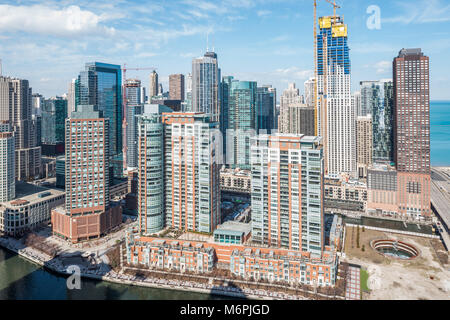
[{"x": 335, "y": 6}]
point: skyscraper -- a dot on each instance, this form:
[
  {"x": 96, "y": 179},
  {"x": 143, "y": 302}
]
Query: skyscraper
[
  {"x": 54, "y": 114},
  {"x": 187, "y": 104},
  {"x": 241, "y": 122},
  {"x": 7, "y": 163},
  {"x": 133, "y": 91},
  {"x": 357, "y": 101},
  {"x": 205, "y": 85},
  {"x": 37, "y": 103},
  {"x": 290, "y": 96},
  {"x": 178, "y": 171},
  {"x": 265, "y": 108},
  {"x": 225, "y": 86},
  {"x": 363, "y": 144},
  {"x": 143, "y": 95},
  {"x": 88, "y": 212},
  {"x": 133, "y": 107},
  {"x": 300, "y": 119},
  {"x": 176, "y": 87},
  {"x": 377, "y": 99},
  {"x": 287, "y": 192},
  {"x": 151, "y": 169},
  {"x": 335, "y": 110},
  {"x": 153, "y": 85},
  {"x": 16, "y": 108},
  {"x": 309, "y": 92},
  {"x": 100, "y": 85},
  {"x": 71, "y": 97},
  {"x": 412, "y": 131}
]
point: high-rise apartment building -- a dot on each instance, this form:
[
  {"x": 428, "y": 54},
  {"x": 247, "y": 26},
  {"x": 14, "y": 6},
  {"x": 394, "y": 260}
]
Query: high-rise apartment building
[
  {"x": 88, "y": 212},
  {"x": 357, "y": 102},
  {"x": 309, "y": 92},
  {"x": 363, "y": 144},
  {"x": 179, "y": 170},
  {"x": 143, "y": 95},
  {"x": 265, "y": 108},
  {"x": 290, "y": 96},
  {"x": 54, "y": 114},
  {"x": 132, "y": 146},
  {"x": 241, "y": 124},
  {"x": 412, "y": 131},
  {"x": 7, "y": 163},
  {"x": 205, "y": 85},
  {"x": 133, "y": 108},
  {"x": 176, "y": 87},
  {"x": 187, "y": 104},
  {"x": 151, "y": 169},
  {"x": 377, "y": 99},
  {"x": 133, "y": 91},
  {"x": 153, "y": 85},
  {"x": 287, "y": 192},
  {"x": 225, "y": 86},
  {"x": 16, "y": 108},
  {"x": 100, "y": 85},
  {"x": 300, "y": 119},
  {"x": 71, "y": 97},
  {"x": 335, "y": 109},
  {"x": 37, "y": 103}
]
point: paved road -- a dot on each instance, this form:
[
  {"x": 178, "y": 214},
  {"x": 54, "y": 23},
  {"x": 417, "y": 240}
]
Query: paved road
[
  {"x": 440, "y": 193},
  {"x": 440, "y": 198}
]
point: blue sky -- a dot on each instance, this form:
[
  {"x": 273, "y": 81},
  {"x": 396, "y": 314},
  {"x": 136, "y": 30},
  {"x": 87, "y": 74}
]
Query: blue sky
[{"x": 269, "y": 41}]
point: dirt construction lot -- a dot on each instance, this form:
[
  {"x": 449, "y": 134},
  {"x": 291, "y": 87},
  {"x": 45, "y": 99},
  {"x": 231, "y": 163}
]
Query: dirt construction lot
[{"x": 426, "y": 277}]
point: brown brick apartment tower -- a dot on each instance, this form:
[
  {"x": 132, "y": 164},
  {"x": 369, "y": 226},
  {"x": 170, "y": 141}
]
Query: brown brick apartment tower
[
  {"x": 412, "y": 131},
  {"x": 88, "y": 212}
]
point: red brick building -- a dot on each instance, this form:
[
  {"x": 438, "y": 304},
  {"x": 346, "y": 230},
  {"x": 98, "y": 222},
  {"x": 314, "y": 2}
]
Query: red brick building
[{"x": 87, "y": 212}]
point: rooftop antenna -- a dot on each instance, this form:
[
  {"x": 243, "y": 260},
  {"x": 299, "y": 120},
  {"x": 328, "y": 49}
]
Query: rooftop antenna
[
  {"x": 207, "y": 41},
  {"x": 1, "y": 68}
]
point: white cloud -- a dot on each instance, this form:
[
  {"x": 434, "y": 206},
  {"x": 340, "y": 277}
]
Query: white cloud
[
  {"x": 294, "y": 73},
  {"x": 262, "y": 13},
  {"x": 146, "y": 55},
  {"x": 40, "y": 19},
  {"x": 206, "y": 6},
  {"x": 383, "y": 66},
  {"x": 188, "y": 55},
  {"x": 422, "y": 12},
  {"x": 198, "y": 14}
]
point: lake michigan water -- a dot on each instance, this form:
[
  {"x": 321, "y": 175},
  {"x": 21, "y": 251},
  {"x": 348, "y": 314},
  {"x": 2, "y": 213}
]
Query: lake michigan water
[{"x": 440, "y": 133}]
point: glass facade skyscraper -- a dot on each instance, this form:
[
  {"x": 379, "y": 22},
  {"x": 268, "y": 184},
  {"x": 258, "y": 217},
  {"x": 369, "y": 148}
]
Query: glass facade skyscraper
[
  {"x": 224, "y": 102},
  {"x": 265, "y": 108},
  {"x": 205, "y": 85},
  {"x": 54, "y": 114},
  {"x": 377, "y": 99},
  {"x": 134, "y": 107},
  {"x": 242, "y": 122},
  {"x": 100, "y": 85}
]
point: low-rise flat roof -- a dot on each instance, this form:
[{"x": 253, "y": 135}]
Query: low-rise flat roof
[
  {"x": 233, "y": 228},
  {"x": 27, "y": 193}
]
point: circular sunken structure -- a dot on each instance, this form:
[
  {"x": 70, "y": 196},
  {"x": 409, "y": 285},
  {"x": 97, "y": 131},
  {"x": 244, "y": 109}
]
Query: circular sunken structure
[{"x": 395, "y": 249}]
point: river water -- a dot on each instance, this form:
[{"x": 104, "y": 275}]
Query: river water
[{"x": 24, "y": 280}]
